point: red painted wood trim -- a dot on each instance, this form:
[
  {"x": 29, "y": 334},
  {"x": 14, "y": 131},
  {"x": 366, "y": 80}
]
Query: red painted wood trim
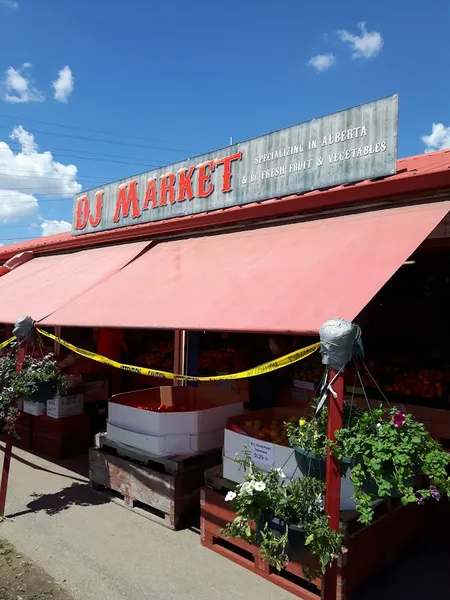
[{"x": 346, "y": 195}]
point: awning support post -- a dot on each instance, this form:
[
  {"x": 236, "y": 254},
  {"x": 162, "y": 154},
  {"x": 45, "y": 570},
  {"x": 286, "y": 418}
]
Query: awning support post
[
  {"x": 8, "y": 449},
  {"x": 192, "y": 354},
  {"x": 333, "y": 478},
  {"x": 179, "y": 354},
  {"x": 337, "y": 338}
]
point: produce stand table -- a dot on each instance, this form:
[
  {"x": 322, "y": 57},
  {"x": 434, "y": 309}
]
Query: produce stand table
[
  {"x": 394, "y": 531},
  {"x": 163, "y": 489}
]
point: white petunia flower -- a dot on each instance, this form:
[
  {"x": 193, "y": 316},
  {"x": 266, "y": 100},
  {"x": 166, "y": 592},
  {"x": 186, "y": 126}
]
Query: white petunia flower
[
  {"x": 281, "y": 473},
  {"x": 230, "y": 496},
  {"x": 247, "y": 487},
  {"x": 260, "y": 486}
]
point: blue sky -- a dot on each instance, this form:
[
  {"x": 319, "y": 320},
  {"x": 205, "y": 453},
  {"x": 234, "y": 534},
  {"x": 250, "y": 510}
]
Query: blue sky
[{"x": 172, "y": 80}]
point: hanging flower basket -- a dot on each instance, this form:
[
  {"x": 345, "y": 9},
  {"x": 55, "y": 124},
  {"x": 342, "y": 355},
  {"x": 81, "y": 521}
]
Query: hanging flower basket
[
  {"x": 314, "y": 465},
  {"x": 46, "y": 391},
  {"x": 370, "y": 486},
  {"x": 295, "y": 545}
]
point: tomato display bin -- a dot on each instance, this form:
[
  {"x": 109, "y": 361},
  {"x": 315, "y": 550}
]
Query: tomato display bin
[{"x": 207, "y": 409}]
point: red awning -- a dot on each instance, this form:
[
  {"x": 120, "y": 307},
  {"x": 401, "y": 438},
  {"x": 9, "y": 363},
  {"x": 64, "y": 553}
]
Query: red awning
[
  {"x": 45, "y": 284},
  {"x": 288, "y": 278}
]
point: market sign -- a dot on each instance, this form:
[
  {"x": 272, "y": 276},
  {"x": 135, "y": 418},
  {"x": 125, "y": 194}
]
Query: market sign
[{"x": 351, "y": 145}]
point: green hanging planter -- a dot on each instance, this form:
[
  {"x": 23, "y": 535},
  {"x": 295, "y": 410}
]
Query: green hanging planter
[
  {"x": 46, "y": 391},
  {"x": 314, "y": 465}
]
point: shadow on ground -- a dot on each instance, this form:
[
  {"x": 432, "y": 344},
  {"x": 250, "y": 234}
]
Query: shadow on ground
[
  {"x": 418, "y": 576},
  {"x": 77, "y": 494}
]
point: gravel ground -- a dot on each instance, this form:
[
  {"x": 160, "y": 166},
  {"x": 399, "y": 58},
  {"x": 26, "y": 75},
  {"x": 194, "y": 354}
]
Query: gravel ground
[{"x": 20, "y": 579}]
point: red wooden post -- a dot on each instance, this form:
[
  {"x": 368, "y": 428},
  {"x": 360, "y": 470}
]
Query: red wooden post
[
  {"x": 8, "y": 449},
  {"x": 333, "y": 477},
  {"x": 179, "y": 355}
]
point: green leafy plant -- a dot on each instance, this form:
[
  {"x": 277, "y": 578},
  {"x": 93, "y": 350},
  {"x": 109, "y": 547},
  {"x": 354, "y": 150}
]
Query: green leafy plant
[
  {"x": 35, "y": 374},
  {"x": 8, "y": 399},
  {"x": 267, "y": 497},
  {"x": 311, "y": 433},
  {"x": 389, "y": 450}
]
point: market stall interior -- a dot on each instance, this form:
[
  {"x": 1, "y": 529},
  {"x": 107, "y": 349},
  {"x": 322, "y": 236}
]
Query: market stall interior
[{"x": 290, "y": 481}]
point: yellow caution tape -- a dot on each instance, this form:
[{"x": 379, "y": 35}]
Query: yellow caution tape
[
  {"x": 267, "y": 367},
  {"x": 7, "y": 342}
]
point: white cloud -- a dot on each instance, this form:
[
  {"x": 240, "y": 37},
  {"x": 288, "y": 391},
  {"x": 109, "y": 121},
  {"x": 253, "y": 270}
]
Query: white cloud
[
  {"x": 15, "y": 206},
  {"x": 366, "y": 45},
  {"x": 322, "y": 62},
  {"x": 63, "y": 86},
  {"x": 18, "y": 87},
  {"x": 50, "y": 227},
  {"x": 10, "y": 3},
  {"x": 28, "y": 173},
  {"x": 439, "y": 138}
]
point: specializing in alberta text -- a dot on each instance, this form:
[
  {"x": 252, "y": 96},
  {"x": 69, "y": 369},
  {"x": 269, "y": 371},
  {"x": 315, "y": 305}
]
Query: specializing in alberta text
[{"x": 317, "y": 162}]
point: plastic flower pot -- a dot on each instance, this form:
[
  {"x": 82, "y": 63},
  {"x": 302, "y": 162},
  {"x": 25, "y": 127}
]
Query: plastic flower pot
[
  {"x": 45, "y": 391},
  {"x": 295, "y": 546},
  {"x": 370, "y": 486},
  {"x": 314, "y": 465}
]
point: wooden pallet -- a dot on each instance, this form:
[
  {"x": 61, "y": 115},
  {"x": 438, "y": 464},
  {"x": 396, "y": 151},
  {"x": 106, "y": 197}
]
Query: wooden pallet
[
  {"x": 395, "y": 530},
  {"x": 158, "y": 493},
  {"x": 215, "y": 480},
  {"x": 164, "y": 464}
]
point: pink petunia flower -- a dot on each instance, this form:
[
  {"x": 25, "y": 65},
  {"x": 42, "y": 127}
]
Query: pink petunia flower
[{"x": 399, "y": 419}]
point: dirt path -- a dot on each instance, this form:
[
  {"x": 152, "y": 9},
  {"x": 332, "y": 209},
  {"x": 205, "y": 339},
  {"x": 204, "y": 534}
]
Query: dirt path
[{"x": 21, "y": 580}]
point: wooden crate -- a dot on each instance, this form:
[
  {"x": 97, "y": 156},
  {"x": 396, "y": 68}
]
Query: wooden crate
[
  {"x": 165, "y": 490},
  {"x": 61, "y": 438},
  {"x": 23, "y": 438},
  {"x": 395, "y": 530}
]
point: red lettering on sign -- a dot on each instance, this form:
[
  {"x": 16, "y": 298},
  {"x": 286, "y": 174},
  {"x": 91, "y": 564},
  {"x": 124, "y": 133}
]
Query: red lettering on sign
[
  {"x": 226, "y": 162},
  {"x": 94, "y": 221},
  {"x": 167, "y": 186},
  {"x": 150, "y": 195},
  {"x": 204, "y": 177},
  {"x": 127, "y": 198},
  {"x": 82, "y": 212},
  {"x": 185, "y": 191}
]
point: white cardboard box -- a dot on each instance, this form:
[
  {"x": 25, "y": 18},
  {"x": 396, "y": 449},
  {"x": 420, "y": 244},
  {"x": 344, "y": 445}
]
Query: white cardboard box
[
  {"x": 166, "y": 445},
  {"x": 34, "y": 408},
  {"x": 272, "y": 455},
  {"x": 65, "y": 406},
  {"x": 192, "y": 422}
]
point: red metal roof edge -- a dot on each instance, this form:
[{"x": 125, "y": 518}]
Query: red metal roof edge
[{"x": 415, "y": 174}]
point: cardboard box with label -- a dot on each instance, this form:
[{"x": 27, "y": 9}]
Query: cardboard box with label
[
  {"x": 60, "y": 407},
  {"x": 265, "y": 453},
  {"x": 34, "y": 408}
]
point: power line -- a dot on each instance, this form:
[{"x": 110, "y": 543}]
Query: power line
[
  {"x": 133, "y": 158},
  {"x": 115, "y": 134},
  {"x": 18, "y": 238},
  {"x": 30, "y": 173},
  {"x": 105, "y": 160},
  {"x": 98, "y": 140}
]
